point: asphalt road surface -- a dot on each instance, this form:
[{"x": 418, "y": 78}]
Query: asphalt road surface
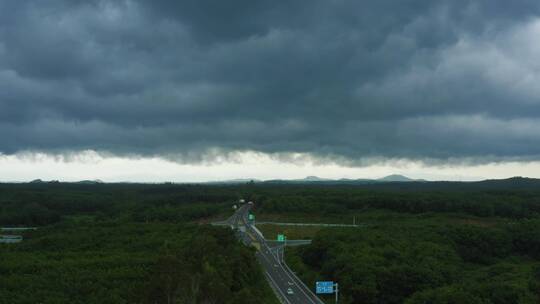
[{"x": 287, "y": 286}]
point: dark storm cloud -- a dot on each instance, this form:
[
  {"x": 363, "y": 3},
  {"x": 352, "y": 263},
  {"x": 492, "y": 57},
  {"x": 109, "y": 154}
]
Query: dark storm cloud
[{"x": 348, "y": 80}]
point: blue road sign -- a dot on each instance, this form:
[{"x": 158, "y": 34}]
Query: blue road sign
[{"x": 324, "y": 287}]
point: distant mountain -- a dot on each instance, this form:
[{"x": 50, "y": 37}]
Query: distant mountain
[
  {"x": 90, "y": 182},
  {"x": 361, "y": 181},
  {"x": 313, "y": 179},
  {"x": 39, "y": 181},
  {"x": 512, "y": 182},
  {"x": 398, "y": 178},
  {"x": 305, "y": 180},
  {"x": 387, "y": 182}
]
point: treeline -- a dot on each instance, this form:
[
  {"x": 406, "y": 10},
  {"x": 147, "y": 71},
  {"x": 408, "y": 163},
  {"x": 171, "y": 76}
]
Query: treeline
[
  {"x": 427, "y": 264},
  {"x": 43, "y": 204}
]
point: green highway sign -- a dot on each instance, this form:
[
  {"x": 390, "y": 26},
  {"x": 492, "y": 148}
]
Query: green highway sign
[{"x": 281, "y": 238}]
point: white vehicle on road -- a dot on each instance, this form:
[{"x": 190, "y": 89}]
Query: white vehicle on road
[{"x": 289, "y": 291}]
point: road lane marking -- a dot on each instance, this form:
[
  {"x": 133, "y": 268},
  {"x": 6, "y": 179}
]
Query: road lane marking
[
  {"x": 277, "y": 287},
  {"x": 296, "y": 284}
]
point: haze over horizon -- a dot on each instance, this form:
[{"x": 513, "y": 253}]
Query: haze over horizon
[{"x": 155, "y": 91}]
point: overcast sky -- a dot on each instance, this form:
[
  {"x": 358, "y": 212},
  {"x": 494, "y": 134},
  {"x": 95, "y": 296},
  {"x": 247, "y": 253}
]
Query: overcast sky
[{"x": 210, "y": 89}]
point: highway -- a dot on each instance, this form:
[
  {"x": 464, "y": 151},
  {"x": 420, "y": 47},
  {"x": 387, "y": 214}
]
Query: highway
[{"x": 287, "y": 286}]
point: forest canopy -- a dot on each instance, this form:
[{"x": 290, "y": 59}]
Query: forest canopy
[{"x": 140, "y": 243}]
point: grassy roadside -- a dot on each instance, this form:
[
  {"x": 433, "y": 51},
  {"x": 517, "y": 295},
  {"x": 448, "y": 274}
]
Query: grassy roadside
[{"x": 270, "y": 232}]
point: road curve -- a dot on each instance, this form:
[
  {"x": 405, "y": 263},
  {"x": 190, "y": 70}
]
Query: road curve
[{"x": 287, "y": 286}]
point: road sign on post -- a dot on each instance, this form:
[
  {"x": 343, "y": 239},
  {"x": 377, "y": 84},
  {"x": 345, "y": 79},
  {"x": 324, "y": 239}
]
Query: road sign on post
[
  {"x": 324, "y": 287},
  {"x": 327, "y": 287},
  {"x": 281, "y": 238}
]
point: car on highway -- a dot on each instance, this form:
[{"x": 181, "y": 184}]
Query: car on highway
[{"x": 290, "y": 291}]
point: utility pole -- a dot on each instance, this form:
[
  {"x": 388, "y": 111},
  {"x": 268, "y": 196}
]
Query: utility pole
[
  {"x": 283, "y": 252},
  {"x": 283, "y": 249}
]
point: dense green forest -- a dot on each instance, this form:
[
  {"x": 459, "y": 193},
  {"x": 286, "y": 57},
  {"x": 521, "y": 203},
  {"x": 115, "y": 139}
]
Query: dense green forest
[
  {"x": 507, "y": 200},
  {"x": 418, "y": 243},
  {"x": 124, "y": 244},
  {"x": 426, "y": 262},
  {"x": 47, "y": 203},
  {"x": 133, "y": 243}
]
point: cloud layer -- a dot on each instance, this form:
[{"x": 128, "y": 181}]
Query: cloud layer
[{"x": 349, "y": 80}]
